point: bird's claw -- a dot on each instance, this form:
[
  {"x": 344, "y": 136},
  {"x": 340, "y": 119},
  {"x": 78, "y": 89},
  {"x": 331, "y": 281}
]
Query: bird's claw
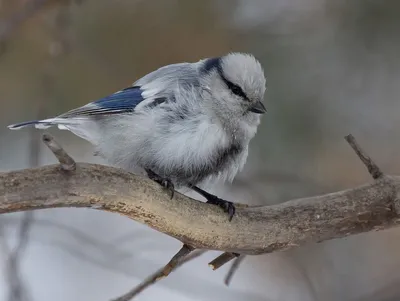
[
  {"x": 166, "y": 183},
  {"x": 228, "y": 207}
]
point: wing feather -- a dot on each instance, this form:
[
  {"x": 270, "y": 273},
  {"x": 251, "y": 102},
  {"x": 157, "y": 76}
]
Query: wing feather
[{"x": 123, "y": 101}]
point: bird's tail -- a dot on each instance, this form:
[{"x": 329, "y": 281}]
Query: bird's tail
[
  {"x": 62, "y": 124},
  {"x": 82, "y": 127}
]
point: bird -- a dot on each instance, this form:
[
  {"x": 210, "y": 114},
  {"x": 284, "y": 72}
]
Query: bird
[{"x": 184, "y": 124}]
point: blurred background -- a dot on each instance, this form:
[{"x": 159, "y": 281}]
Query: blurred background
[{"x": 332, "y": 69}]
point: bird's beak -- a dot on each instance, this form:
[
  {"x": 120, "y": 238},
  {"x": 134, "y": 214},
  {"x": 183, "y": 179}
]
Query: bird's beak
[{"x": 258, "y": 108}]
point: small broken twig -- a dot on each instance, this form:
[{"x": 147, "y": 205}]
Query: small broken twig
[
  {"x": 235, "y": 265},
  {"x": 222, "y": 259},
  {"x": 152, "y": 279},
  {"x": 179, "y": 258},
  {"x": 66, "y": 161},
  {"x": 373, "y": 169}
]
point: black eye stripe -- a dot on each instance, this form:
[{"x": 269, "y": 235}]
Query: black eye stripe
[
  {"x": 215, "y": 63},
  {"x": 235, "y": 89}
]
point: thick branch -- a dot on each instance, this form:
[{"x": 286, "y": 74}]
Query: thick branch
[{"x": 253, "y": 230}]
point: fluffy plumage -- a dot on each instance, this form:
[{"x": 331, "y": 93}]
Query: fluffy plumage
[{"x": 186, "y": 122}]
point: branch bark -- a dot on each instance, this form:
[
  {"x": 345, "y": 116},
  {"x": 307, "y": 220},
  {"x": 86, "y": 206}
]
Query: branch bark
[{"x": 253, "y": 230}]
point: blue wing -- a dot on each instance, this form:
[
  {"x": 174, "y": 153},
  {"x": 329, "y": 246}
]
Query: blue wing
[{"x": 123, "y": 101}]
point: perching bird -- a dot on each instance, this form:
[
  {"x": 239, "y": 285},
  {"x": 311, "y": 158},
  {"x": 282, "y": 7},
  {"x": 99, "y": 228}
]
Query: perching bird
[{"x": 183, "y": 124}]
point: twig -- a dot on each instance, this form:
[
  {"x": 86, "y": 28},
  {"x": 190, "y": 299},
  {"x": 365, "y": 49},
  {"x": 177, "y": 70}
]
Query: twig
[
  {"x": 152, "y": 279},
  {"x": 373, "y": 169},
  {"x": 179, "y": 259},
  {"x": 222, "y": 259},
  {"x": 235, "y": 265},
  {"x": 182, "y": 253},
  {"x": 66, "y": 161}
]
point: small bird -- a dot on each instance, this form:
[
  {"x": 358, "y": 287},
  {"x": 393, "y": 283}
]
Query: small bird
[{"x": 183, "y": 124}]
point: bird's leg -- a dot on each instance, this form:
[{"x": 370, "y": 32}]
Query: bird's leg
[
  {"x": 228, "y": 207},
  {"x": 164, "y": 182}
]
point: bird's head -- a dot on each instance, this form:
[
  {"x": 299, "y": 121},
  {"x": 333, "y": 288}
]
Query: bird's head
[{"x": 236, "y": 84}]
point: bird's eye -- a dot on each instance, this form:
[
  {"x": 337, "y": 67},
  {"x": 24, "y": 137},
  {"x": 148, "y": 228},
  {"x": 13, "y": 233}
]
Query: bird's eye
[{"x": 236, "y": 90}]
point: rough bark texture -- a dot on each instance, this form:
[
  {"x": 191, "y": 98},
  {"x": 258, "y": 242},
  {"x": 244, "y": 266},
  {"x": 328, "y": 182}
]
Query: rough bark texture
[{"x": 253, "y": 230}]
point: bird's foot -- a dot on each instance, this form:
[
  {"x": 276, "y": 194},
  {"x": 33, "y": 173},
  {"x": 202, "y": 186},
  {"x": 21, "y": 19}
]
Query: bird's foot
[
  {"x": 228, "y": 207},
  {"x": 164, "y": 182}
]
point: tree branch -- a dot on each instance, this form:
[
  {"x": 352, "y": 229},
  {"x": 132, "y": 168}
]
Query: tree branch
[{"x": 254, "y": 230}]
